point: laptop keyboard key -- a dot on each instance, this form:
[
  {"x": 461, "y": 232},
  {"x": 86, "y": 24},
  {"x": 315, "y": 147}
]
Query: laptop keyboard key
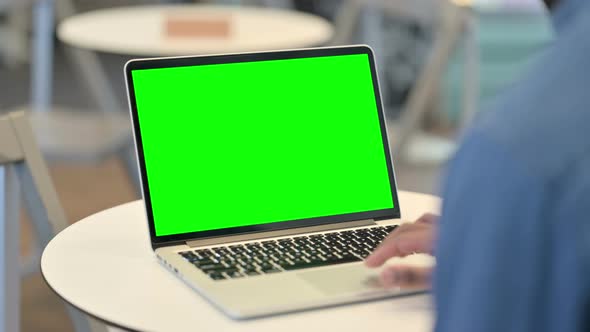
[
  {"x": 216, "y": 276},
  {"x": 303, "y": 265},
  {"x": 271, "y": 270},
  {"x": 390, "y": 228},
  {"x": 234, "y": 274},
  {"x": 288, "y": 254}
]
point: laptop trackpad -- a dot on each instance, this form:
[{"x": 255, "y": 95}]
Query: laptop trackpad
[{"x": 343, "y": 279}]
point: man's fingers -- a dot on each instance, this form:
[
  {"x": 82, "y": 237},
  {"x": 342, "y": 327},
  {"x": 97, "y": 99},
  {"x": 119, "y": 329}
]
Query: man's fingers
[
  {"x": 427, "y": 218},
  {"x": 403, "y": 229},
  {"x": 406, "y": 276},
  {"x": 415, "y": 241},
  {"x": 408, "y": 238}
]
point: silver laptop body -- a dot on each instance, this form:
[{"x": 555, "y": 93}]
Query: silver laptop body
[{"x": 249, "y": 267}]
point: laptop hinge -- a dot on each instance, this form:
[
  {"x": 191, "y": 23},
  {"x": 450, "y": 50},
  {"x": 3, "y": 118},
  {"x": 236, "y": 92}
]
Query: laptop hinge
[{"x": 283, "y": 232}]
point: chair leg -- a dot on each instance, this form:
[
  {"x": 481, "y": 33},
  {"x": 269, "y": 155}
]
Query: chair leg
[
  {"x": 9, "y": 251},
  {"x": 44, "y": 231},
  {"x": 41, "y": 199}
]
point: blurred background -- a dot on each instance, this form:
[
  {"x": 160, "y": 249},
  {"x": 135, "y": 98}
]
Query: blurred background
[{"x": 62, "y": 62}]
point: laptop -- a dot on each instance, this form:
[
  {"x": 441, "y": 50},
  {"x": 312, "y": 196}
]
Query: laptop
[{"x": 267, "y": 177}]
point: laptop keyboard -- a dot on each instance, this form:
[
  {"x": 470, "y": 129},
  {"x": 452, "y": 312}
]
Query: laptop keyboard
[{"x": 288, "y": 254}]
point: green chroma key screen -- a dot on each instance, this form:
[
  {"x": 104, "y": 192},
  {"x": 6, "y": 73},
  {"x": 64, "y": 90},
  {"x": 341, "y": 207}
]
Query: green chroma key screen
[{"x": 251, "y": 143}]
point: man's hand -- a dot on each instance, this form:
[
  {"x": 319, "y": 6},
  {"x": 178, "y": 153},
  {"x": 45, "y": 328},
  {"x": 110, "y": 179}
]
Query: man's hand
[{"x": 406, "y": 239}]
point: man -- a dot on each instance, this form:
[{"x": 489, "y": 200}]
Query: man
[{"x": 513, "y": 241}]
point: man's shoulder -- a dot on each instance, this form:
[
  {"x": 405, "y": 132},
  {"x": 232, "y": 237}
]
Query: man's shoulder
[{"x": 544, "y": 120}]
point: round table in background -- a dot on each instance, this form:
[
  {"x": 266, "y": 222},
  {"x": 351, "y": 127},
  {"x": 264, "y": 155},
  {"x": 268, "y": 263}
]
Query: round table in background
[
  {"x": 104, "y": 266},
  {"x": 141, "y": 30}
]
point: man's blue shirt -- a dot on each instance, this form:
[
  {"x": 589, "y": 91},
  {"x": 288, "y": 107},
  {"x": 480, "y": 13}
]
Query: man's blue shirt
[{"x": 513, "y": 252}]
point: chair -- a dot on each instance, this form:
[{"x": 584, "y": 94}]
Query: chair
[
  {"x": 450, "y": 22},
  {"x": 23, "y": 169},
  {"x": 71, "y": 135}
]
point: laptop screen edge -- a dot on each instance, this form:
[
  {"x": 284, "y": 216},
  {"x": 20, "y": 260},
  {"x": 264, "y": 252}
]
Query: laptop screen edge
[{"x": 159, "y": 241}]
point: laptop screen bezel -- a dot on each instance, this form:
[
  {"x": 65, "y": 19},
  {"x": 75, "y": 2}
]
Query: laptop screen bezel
[{"x": 139, "y": 64}]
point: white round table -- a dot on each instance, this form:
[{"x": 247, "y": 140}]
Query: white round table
[
  {"x": 141, "y": 30},
  {"x": 104, "y": 266}
]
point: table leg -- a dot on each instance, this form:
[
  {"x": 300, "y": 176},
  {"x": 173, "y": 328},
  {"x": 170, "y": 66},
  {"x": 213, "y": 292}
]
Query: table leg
[
  {"x": 44, "y": 13},
  {"x": 42, "y": 59},
  {"x": 9, "y": 251}
]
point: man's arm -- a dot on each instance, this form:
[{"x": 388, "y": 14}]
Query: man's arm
[{"x": 492, "y": 244}]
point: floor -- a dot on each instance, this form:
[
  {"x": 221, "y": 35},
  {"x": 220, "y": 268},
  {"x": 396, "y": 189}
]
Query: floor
[{"x": 86, "y": 189}]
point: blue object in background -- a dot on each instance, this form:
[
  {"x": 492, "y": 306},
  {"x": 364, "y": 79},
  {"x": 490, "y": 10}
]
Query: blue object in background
[{"x": 508, "y": 40}]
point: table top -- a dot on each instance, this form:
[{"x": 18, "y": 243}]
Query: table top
[
  {"x": 104, "y": 265},
  {"x": 141, "y": 30}
]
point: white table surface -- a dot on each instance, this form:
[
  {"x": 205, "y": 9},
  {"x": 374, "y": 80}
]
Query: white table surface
[
  {"x": 104, "y": 265},
  {"x": 139, "y": 30}
]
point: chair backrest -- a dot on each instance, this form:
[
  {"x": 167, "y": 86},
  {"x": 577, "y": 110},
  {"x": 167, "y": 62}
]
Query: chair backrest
[
  {"x": 38, "y": 189},
  {"x": 22, "y": 168},
  {"x": 348, "y": 16},
  {"x": 448, "y": 21}
]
